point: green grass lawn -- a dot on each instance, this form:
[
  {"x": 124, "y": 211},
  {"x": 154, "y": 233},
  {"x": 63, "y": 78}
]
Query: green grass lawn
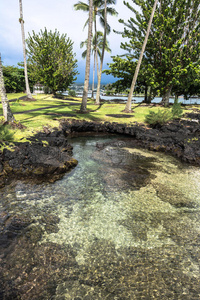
[{"x": 47, "y": 111}]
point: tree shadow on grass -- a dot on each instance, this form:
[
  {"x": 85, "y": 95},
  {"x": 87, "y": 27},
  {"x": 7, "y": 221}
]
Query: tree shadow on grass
[{"x": 120, "y": 115}]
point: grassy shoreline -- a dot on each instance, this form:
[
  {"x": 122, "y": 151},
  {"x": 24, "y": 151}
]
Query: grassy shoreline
[{"x": 48, "y": 111}]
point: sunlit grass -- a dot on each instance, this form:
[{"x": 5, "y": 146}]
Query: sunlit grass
[{"x": 47, "y": 111}]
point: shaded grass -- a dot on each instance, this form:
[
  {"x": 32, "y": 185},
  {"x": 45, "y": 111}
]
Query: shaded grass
[{"x": 47, "y": 111}]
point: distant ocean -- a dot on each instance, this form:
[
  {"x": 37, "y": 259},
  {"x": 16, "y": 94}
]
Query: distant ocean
[{"x": 78, "y": 87}]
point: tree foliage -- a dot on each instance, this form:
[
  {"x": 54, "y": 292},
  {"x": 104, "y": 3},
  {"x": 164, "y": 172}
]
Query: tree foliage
[
  {"x": 52, "y": 60},
  {"x": 98, "y": 10},
  {"x": 172, "y": 53},
  {"x": 14, "y": 79}
]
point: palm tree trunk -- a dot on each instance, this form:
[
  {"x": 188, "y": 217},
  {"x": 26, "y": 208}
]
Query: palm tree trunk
[
  {"x": 7, "y": 113},
  {"x": 128, "y": 104},
  {"x": 93, "y": 75},
  {"x": 102, "y": 56},
  {"x": 28, "y": 92},
  {"x": 87, "y": 67},
  {"x": 95, "y": 53}
]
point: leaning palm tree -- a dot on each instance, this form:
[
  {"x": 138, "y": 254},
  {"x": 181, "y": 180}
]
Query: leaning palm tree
[
  {"x": 7, "y": 113},
  {"x": 96, "y": 48},
  {"x": 21, "y": 20},
  {"x": 87, "y": 68},
  {"x": 128, "y": 103}
]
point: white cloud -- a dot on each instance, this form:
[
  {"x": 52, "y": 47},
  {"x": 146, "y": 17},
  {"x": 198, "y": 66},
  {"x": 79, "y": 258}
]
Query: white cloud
[{"x": 53, "y": 15}]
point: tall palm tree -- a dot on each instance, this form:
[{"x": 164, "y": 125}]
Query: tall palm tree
[
  {"x": 7, "y": 113},
  {"x": 21, "y": 20},
  {"x": 99, "y": 10},
  {"x": 128, "y": 103},
  {"x": 87, "y": 68},
  {"x": 96, "y": 47},
  {"x": 102, "y": 56}
]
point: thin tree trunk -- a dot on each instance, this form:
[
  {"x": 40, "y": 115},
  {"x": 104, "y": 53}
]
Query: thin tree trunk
[
  {"x": 28, "y": 92},
  {"x": 87, "y": 67},
  {"x": 165, "y": 97},
  {"x": 93, "y": 77},
  {"x": 95, "y": 53},
  {"x": 7, "y": 113},
  {"x": 102, "y": 56},
  {"x": 128, "y": 104},
  {"x": 146, "y": 94}
]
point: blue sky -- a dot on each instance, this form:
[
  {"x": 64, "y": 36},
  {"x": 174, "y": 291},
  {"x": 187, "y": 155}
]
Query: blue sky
[{"x": 52, "y": 14}]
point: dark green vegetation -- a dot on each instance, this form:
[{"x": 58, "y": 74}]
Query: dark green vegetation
[
  {"x": 51, "y": 59},
  {"x": 14, "y": 79},
  {"x": 172, "y": 55},
  {"x": 6, "y": 134},
  {"x": 161, "y": 117}
]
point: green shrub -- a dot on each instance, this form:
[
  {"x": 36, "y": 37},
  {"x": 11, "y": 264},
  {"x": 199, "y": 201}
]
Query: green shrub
[
  {"x": 177, "y": 111},
  {"x": 159, "y": 118},
  {"x": 72, "y": 93},
  {"x": 6, "y": 134}
]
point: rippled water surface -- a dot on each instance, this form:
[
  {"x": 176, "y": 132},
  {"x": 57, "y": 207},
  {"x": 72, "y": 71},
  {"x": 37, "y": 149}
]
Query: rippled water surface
[{"x": 124, "y": 224}]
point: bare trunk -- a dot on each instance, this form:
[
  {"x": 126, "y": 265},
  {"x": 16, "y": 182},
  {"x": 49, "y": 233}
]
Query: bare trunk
[
  {"x": 128, "y": 104},
  {"x": 7, "y": 113},
  {"x": 93, "y": 76},
  {"x": 165, "y": 97},
  {"x": 28, "y": 92},
  {"x": 102, "y": 56},
  {"x": 95, "y": 54},
  {"x": 146, "y": 94},
  {"x": 87, "y": 68}
]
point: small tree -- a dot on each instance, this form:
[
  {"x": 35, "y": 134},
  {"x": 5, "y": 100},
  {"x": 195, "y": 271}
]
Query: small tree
[
  {"x": 52, "y": 59},
  {"x": 7, "y": 113}
]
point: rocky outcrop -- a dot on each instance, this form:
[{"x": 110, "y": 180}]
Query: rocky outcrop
[
  {"x": 46, "y": 157},
  {"x": 181, "y": 138}
]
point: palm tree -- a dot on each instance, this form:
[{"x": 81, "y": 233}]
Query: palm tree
[
  {"x": 102, "y": 56},
  {"x": 28, "y": 92},
  {"x": 7, "y": 113},
  {"x": 99, "y": 9},
  {"x": 128, "y": 104},
  {"x": 87, "y": 68},
  {"x": 96, "y": 47}
]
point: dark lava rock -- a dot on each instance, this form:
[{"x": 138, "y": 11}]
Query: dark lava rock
[
  {"x": 46, "y": 156},
  {"x": 180, "y": 138}
]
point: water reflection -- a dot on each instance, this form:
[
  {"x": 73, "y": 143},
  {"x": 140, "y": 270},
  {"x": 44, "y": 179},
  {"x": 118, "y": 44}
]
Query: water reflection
[{"x": 124, "y": 224}]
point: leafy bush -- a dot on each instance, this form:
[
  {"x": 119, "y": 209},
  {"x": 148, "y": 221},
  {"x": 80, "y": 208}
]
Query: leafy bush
[
  {"x": 159, "y": 118},
  {"x": 5, "y": 133},
  {"x": 177, "y": 111},
  {"x": 72, "y": 93}
]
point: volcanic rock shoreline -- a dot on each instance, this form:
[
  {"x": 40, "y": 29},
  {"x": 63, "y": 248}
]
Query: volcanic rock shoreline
[
  {"x": 48, "y": 155},
  {"x": 180, "y": 138}
]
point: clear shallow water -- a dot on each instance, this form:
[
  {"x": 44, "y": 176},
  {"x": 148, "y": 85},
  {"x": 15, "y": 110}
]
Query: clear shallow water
[{"x": 124, "y": 224}]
